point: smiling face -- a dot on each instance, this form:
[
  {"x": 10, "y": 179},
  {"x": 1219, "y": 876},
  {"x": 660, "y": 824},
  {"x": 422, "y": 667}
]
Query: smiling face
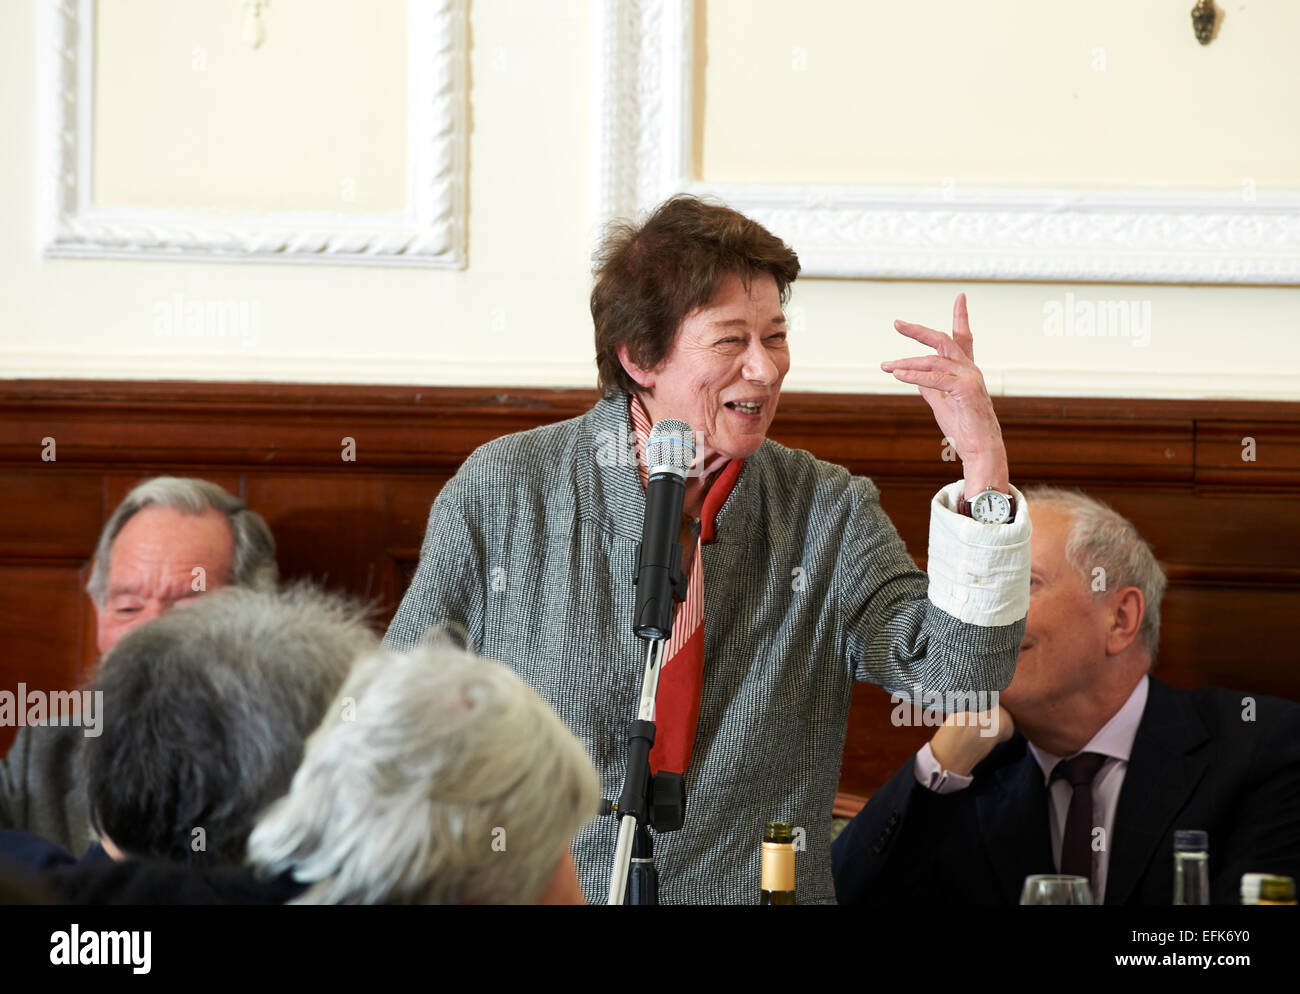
[
  {"x": 724, "y": 371},
  {"x": 152, "y": 566},
  {"x": 1064, "y": 650}
]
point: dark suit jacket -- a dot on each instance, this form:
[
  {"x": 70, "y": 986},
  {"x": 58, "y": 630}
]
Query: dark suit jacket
[
  {"x": 43, "y": 786},
  {"x": 156, "y": 881},
  {"x": 1195, "y": 764},
  {"x": 35, "y": 853}
]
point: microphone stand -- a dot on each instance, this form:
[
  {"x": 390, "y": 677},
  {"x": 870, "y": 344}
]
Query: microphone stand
[
  {"x": 657, "y": 801},
  {"x": 634, "y": 871},
  {"x": 648, "y": 801}
]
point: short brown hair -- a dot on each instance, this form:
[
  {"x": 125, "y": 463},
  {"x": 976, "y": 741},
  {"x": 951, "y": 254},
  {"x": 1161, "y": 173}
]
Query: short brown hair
[{"x": 649, "y": 278}]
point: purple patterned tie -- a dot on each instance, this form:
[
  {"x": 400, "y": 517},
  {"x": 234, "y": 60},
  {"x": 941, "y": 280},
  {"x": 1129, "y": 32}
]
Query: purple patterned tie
[{"x": 1076, "y": 845}]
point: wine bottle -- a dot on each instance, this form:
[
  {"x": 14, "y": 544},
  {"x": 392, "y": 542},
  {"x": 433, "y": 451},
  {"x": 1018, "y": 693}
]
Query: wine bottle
[
  {"x": 777, "y": 884},
  {"x": 1267, "y": 888}
]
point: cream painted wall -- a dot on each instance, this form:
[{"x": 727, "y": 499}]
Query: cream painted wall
[
  {"x": 187, "y": 115},
  {"x": 518, "y": 314},
  {"x": 1000, "y": 92}
]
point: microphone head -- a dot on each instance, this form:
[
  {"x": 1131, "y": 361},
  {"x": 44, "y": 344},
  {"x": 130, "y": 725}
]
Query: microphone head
[{"x": 670, "y": 448}]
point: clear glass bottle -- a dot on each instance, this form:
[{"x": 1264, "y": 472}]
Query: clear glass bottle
[
  {"x": 1191, "y": 867},
  {"x": 777, "y": 883}
]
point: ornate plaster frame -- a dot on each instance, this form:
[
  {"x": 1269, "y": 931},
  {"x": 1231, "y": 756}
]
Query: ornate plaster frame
[
  {"x": 430, "y": 231},
  {"x": 644, "y": 147}
]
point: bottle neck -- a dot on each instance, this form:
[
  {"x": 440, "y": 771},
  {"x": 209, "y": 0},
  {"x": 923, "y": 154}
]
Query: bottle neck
[{"x": 778, "y": 867}]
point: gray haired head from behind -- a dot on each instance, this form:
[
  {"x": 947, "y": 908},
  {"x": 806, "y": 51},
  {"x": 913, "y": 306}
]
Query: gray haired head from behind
[
  {"x": 437, "y": 777},
  {"x": 206, "y": 710},
  {"x": 254, "y": 547}
]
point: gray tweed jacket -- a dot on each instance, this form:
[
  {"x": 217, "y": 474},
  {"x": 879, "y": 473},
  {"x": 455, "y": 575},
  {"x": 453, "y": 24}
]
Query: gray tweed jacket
[
  {"x": 531, "y": 548},
  {"x": 43, "y": 786}
]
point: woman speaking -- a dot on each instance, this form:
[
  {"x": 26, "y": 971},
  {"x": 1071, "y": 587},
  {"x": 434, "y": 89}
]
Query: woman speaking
[{"x": 797, "y": 582}]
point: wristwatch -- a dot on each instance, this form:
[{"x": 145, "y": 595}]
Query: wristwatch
[{"x": 989, "y": 506}]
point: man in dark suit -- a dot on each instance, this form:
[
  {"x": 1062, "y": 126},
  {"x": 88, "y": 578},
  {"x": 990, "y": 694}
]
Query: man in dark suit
[{"x": 1095, "y": 764}]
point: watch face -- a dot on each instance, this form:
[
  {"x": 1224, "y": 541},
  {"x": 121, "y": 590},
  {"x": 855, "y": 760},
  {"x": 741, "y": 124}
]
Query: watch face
[{"x": 991, "y": 507}]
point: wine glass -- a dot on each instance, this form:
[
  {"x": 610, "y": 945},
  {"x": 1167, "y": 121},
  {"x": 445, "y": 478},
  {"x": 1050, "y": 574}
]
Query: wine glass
[{"x": 1055, "y": 888}]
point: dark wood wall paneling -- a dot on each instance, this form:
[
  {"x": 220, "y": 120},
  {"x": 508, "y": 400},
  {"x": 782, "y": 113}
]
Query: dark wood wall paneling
[{"x": 1227, "y": 529}]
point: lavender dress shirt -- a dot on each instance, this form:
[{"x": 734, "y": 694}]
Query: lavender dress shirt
[{"x": 1114, "y": 740}]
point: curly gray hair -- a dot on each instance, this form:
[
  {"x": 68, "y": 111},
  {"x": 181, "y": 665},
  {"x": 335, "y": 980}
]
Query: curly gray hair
[
  {"x": 254, "y": 547},
  {"x": 437, "y": 777}
]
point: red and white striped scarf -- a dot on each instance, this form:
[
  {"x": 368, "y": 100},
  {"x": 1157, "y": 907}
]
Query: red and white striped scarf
[{"x": 681, "y": 677}]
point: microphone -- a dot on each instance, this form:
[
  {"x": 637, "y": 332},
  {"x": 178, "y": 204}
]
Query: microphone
[{"x": 669, "y": 451}]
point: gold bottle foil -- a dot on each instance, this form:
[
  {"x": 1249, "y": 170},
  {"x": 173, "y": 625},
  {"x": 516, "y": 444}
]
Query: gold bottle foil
[{"x": 778, "y": 866}]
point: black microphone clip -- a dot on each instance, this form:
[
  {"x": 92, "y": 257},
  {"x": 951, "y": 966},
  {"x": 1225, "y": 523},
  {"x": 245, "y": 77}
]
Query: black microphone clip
[{"x": 654, "y": 614}]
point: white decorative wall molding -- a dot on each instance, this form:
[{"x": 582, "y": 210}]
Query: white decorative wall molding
[
  {"x": 430, "y": 231},
  {"x": 254, "y": 29},
  {"x": 644, "y": 116}
]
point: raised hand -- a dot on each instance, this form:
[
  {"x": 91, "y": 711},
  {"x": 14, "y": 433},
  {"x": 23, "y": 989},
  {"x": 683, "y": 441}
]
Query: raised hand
[
  {"x": 954, "y": 388},
  {"x": 959, "y": 747}
]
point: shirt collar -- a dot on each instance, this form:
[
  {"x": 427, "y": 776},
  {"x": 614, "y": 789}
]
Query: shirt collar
[
  {"x": 609, "y": 480},
  {"x": 1114, "y": 739},
  {"x": 720, "y": 488}
]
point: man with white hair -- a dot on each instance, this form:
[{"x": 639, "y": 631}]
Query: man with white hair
[
  {"x": 170, "y": 539},
  {"x": 437, "y": 777},
  {"x": 1095, "y": 763}
]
